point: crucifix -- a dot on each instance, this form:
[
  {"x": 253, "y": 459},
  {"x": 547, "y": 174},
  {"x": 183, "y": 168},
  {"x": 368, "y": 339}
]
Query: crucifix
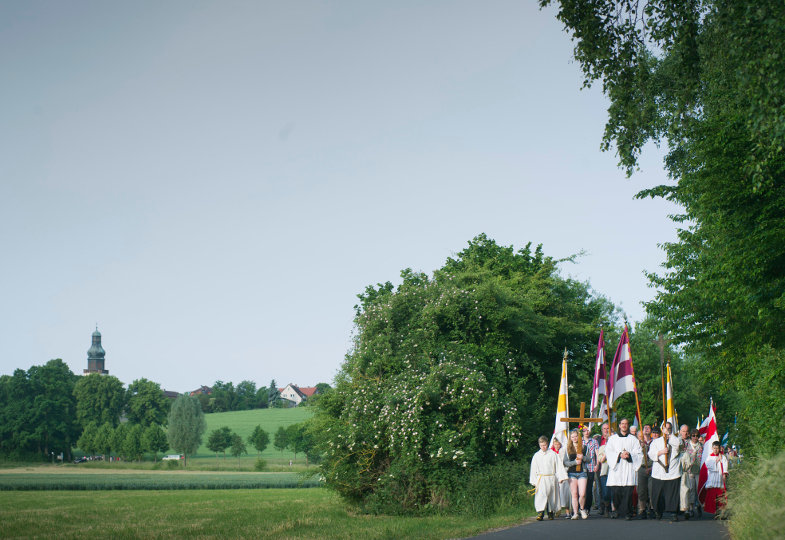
[{"x": 581, "y": 419}]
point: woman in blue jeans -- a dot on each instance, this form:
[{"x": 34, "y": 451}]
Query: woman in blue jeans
[{"x": 574, "y": 458}]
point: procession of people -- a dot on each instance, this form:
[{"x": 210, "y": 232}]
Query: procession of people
[
  {"x": 643, "y": 475},
  {"x": 623, "y": 471}
]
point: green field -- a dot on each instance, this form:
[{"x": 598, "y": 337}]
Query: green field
[
  {"x": 268, "y": 513},
  {"x": 80, "y": 481},
  {"x": 244, "y": 422}
]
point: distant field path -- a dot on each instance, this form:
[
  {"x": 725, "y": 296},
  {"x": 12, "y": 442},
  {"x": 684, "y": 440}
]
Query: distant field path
[{"x": 599, "y": 527}]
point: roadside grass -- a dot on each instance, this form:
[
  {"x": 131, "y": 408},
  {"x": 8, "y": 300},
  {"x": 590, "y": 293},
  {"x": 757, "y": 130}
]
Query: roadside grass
[
  {"x": 270, "y": 513},
  {"x": 756, "y": 499}
]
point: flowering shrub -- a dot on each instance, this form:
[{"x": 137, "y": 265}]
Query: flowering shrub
[{"x": 448, "y": 378}]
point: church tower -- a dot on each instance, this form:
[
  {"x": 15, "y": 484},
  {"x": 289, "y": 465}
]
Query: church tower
[{"x": 95, "y": 355}]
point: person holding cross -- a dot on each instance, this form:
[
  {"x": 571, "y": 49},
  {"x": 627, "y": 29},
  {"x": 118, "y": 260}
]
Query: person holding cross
[
  {"x": 665, "y": 472},
  {"x": 624, "y": 456},
  {"x": 574, "y": 462},
  {"x": 574, "y": 459}
]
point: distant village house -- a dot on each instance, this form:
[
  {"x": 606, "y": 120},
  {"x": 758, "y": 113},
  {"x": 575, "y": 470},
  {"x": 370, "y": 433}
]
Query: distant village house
[{"x": 295, "y": 395}]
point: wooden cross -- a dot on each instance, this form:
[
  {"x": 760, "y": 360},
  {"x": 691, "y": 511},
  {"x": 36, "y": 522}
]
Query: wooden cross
[{"x": 581, "y": 419}]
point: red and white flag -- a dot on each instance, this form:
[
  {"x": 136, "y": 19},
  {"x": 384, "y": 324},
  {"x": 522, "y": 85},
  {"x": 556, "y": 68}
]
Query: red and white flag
[
  {"x": 599, "y": 392},
  {"x": 711, "y": 436},
  {"x": 622, "y": 378}
]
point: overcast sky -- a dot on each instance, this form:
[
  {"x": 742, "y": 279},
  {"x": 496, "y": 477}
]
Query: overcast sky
[{"x": 213, "y": 183}]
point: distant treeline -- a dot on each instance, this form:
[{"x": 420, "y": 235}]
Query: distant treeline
[
  {"x": 48, "y": 410},
  {"x": 225, "y": 396}
]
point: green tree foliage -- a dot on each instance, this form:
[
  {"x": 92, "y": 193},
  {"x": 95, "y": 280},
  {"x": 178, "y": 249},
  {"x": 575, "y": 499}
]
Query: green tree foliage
[
  {"x": 451, "y": 374},
  {"x": 219, "y": 440},
  {"x": 117, "y": 441},
  {"x": 246, "y": 396},
  {"x": 259, "y": 439},
  {"x": 154, "y": 440},
  {"x": 133, "y": 445},
  {"x": 281, "y": 439},
  {"x": 88, "y": 441},
  {"x": 708, "y": 77},
  {"x": 691, "y": 391},
  {"x": 273, "y": 395},
  {"x": 295, "y": 438},
  {"x": 262, "y": 398},
  {"x": 99, "y": 399},
  {"x": 103, "y": 439},
  {"x": 238, "y": 447},
  {"x": 186, "y": 424},
  {"x": 147, "y": 403},
  {"x": 224, "y": 397},
  {"x": 38, "y": 411}
]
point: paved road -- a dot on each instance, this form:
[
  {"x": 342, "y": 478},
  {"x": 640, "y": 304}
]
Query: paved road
[{"x": 605, "y": 528}]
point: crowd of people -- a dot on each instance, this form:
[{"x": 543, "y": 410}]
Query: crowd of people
[{"x": 630, "y": 474}]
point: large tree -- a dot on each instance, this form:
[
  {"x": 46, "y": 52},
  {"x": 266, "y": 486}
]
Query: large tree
[
  {"x": 38, "y": 411},
  {"x": 147, "y": 403},
  {"x": 452, "y": 373},
  {"x": 100, "y": 399},
  {"x": 708, "y": 78},
  {"x": 186, "y": 425}
]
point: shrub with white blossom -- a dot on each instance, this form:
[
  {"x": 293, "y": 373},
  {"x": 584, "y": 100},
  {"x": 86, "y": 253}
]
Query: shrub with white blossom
[{"x": 449, "y": 377}]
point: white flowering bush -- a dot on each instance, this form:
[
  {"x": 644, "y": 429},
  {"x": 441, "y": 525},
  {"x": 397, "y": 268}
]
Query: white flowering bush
[{"x": 449, "y": 376}]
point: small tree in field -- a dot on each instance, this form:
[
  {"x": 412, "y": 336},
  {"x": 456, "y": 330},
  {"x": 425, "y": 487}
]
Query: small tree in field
[
  {"x": 238, "y": 447},
  {"x": 219, "y": 440},
  {"x": 259, "y": 439},
  {"x": 186, "y": 426},
  {"x": 281, "y": 440}
]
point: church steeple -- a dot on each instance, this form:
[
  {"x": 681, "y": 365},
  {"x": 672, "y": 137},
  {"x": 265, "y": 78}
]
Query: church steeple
[{"x": 95, "y": 355}]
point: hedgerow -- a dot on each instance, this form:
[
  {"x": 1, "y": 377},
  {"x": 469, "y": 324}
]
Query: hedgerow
[{"x": 448, "y": 380}]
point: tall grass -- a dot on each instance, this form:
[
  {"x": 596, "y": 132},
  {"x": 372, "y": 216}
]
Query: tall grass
[{"x": 756, "y": 499}]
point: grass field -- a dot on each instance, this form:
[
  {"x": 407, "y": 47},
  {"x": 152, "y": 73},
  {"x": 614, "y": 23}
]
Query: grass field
[
  {"x": 148, "y": 480},
  {"x": 268, "y": 513},
  {"x": 244, "y": 422}
]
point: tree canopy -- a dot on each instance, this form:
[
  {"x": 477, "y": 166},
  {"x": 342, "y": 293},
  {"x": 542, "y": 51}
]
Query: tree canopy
[
  {"x": 186, "y": 425},
  {"x": 453, "y": 372},
  {"x": 147, "y": 403},
  {"x": 708, "y": 78},
  {"x": 99, "y": 399},
  {"x": 38, "y": 411}
]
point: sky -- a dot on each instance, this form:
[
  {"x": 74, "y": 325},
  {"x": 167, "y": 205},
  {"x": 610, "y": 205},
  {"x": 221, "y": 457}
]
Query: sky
[{"x": 213, "y": 183}]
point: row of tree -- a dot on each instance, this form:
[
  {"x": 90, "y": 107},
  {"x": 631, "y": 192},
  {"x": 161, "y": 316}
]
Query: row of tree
[
  {"x": 45, "y": 409},
  {"x": 129, "y": 441},
  {"x": 226, "y": 396}
]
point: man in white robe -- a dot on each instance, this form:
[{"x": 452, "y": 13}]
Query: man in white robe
[
  {"x": 665, "y": 481},
  {"x": 624, "y": 456},
  {"x": 545, "y": 474}
]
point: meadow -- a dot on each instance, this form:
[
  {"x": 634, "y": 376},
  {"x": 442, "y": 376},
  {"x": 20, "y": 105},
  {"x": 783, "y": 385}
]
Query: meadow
[
  {"x": 268, "y": 513},
  {"x": 242, "y": 423},
  {"x": 47, "y": 478}
]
